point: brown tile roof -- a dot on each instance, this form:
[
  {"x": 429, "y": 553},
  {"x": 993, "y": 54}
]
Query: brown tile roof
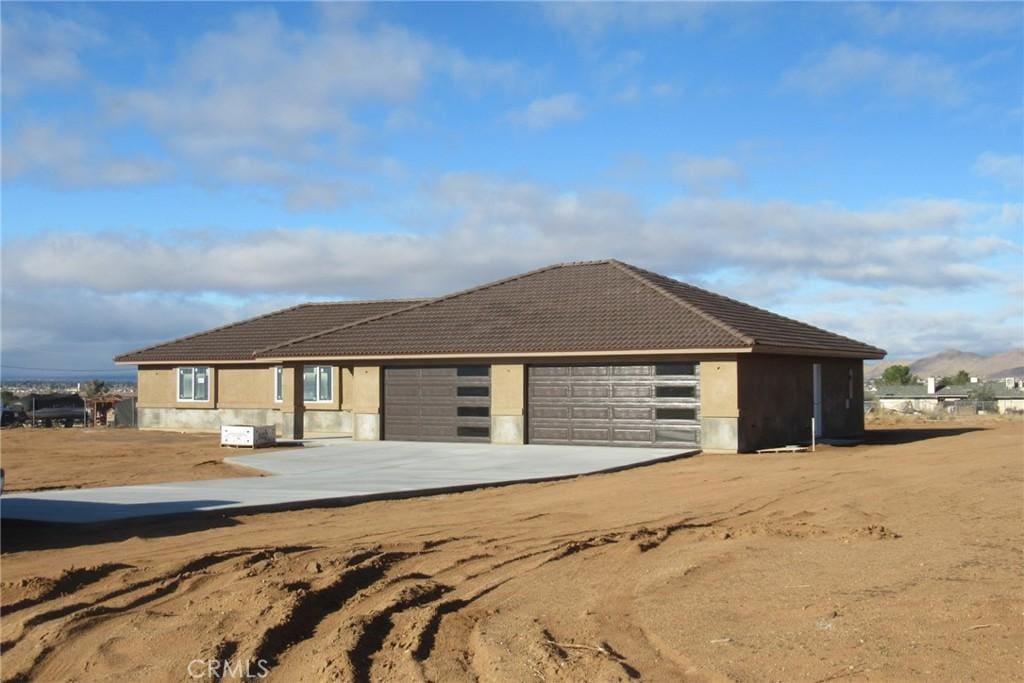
[
  {"x": 239, "y": 341},
  {"x": 598, "y": 306}
]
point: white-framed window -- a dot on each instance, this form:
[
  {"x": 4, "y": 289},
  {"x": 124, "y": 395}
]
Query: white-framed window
[
  {"x": 194, "y": 384},
  {"x": 317, "y": 385},
  {"x": 279, "y": 384}
]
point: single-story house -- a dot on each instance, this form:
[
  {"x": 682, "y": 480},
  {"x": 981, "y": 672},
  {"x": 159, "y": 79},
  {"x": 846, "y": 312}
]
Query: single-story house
[
  {"x": 958, "y": 398},
  {"x": 905, "y": 398},
  {"x": 595, "y": 353}
]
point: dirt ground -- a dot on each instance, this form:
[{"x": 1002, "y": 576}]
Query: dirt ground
[
  {"x": 41, "y": 459},
  {"x": 896, "y": 560}
]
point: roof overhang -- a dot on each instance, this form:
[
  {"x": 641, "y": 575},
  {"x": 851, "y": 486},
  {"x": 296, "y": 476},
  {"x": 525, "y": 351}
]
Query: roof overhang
[
  {"x": 630, "y": 353},
  {"x": 823, "y": 353}
]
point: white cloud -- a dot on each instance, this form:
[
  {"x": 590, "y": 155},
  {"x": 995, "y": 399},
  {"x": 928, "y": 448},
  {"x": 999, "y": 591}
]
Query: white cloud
[
  {"x": 1007, "y": 169},
  {"x": 848, "y": 67},
  {"x": 910, "y": 331},
  {"x": 496, "y": 227},
  {"x": 310, "y": 196},
  {"x": 634, "y": 92},
  {"x": 924, "y": 249},
  {"x": 259, "y": 84},
  {"x": 708, "y": 175},
  {"x": 947, "y": 19},
  {"x": 254, "y": 102},
  {"x": 41, "y": 150},
  {"x": 589, "y": 21},
  {"x": 42, "y": 50},
  {"x": 548, "y": 111}
]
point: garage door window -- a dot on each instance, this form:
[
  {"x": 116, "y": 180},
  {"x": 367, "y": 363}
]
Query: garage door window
[
  {"x": 675, "y": 369},
  {"x": 675, "y": 413},
  {"x": 473, "y": 371},
  {"x": 316, "y": 383},
  {"x": 473, "y": 391},
  {"x": 474, "y": 411},
  {"x": 675, "y": 391},
  {"x": 484, "y": 432}
]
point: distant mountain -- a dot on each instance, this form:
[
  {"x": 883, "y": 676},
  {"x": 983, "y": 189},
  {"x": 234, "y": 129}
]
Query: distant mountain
[{"x": 1006, "y": 364}]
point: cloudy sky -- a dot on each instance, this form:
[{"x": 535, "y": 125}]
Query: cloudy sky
[{"x": 171, "y": 167}]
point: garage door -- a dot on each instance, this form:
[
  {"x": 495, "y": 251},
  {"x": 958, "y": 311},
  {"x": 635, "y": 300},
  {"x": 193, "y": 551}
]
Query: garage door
[
  {"x": 438, "y": 404},
  {"x": 622, "y": 405}
]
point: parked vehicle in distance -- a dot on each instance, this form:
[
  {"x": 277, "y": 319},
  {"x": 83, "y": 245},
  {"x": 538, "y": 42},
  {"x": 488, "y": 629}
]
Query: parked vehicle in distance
[{"x": 12, "y": 418}]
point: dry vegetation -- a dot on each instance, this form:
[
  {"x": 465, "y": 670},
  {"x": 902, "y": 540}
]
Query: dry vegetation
[{"x": 896, "y": 560}]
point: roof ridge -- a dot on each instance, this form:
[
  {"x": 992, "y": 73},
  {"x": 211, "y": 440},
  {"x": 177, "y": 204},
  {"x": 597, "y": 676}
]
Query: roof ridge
[
  {"x": 354, "y": 302},
  {"x": 245, "y": 321},
  {"x": 635, "y": 272},
  {"x": 757, "y": 308},
  {"x": 427, "y": 302}
]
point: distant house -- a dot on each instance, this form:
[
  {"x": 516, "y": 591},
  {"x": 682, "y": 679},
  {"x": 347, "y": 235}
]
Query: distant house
[
  {"x": 905, "y": 398},
  {"x": 930, "y": 397},
  {"x": 595, "y": 353}
]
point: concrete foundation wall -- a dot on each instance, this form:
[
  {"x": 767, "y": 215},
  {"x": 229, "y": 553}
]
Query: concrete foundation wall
[
  {"x": 366, "y": 427},
  {"x": 776, "y": 399},
  {"x": 719, "y": 434},
  {"x": 200, "y": 420},
  {"x": 507, "y": 429}
]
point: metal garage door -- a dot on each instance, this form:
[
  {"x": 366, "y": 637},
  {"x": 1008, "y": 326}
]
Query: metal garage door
[
  {"x": 622, "y": 405},
  {"x": 438, "y": 404}
]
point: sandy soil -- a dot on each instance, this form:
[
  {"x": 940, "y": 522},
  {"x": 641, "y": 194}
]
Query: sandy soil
[
  {"x": 897, "y": 560},
  {"x": 40, "y": 459}
]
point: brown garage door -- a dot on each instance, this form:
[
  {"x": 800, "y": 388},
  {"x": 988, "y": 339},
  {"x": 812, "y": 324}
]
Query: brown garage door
[
  {"x": 621, "y": 405},
  {"x": 438, "y": 404}
]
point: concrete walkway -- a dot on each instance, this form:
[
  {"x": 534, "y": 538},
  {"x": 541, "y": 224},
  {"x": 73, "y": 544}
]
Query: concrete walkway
[{"x": 332, "y": 471}]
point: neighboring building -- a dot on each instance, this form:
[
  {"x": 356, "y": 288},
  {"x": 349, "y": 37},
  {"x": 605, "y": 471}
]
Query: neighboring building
[
  {"x": 905, "y": 398},
  {"x": 958, "y": 398},
  {"x": 582, "y": 353}
]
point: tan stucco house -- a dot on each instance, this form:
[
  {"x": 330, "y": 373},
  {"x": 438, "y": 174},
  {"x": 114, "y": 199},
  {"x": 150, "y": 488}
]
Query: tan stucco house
[{"x": 593, "y": 353}]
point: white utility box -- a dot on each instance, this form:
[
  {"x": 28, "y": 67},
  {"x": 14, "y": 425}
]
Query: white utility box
[{"x": 251, "y": 436}]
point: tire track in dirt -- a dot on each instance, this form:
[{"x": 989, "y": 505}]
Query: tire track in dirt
[
  {"x": 311, "y": 607},
  {"x": 69, "y": 582},
  {"x": 64, "y": 623}
]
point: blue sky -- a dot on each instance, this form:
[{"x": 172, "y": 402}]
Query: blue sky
[{"x": 173, "y": 166}]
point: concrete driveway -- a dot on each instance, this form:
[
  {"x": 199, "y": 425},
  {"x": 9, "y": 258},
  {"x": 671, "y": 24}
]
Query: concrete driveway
[{"x": 334, "y": 471}]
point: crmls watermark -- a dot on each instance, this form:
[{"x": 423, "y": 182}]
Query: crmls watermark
[{"x": 216, "y": 669}]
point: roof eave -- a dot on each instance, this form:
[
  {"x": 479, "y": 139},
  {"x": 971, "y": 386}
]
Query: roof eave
[{"x": 866, "y": 354}]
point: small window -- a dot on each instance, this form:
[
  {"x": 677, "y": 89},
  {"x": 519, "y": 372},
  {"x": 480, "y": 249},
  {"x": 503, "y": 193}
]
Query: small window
[
  {"x": 675, "y": 413},
  {"x": 473, "y": 391},
  {"x": 675, "y": 392},
  {"x": 279, "y": 384},
  {"x": 473, "y": 371},
  {"x": 316, "y": 383},
  {"x": 675, "y": 369},
  {"x": 474, "y": 431},
  {"x": 194, "y": 384},
  {"x": 474, "y": 411}
]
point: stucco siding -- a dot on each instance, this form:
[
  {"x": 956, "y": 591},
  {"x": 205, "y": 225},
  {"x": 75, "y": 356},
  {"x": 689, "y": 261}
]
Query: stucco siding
[{"x": 245, "y": 387}]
